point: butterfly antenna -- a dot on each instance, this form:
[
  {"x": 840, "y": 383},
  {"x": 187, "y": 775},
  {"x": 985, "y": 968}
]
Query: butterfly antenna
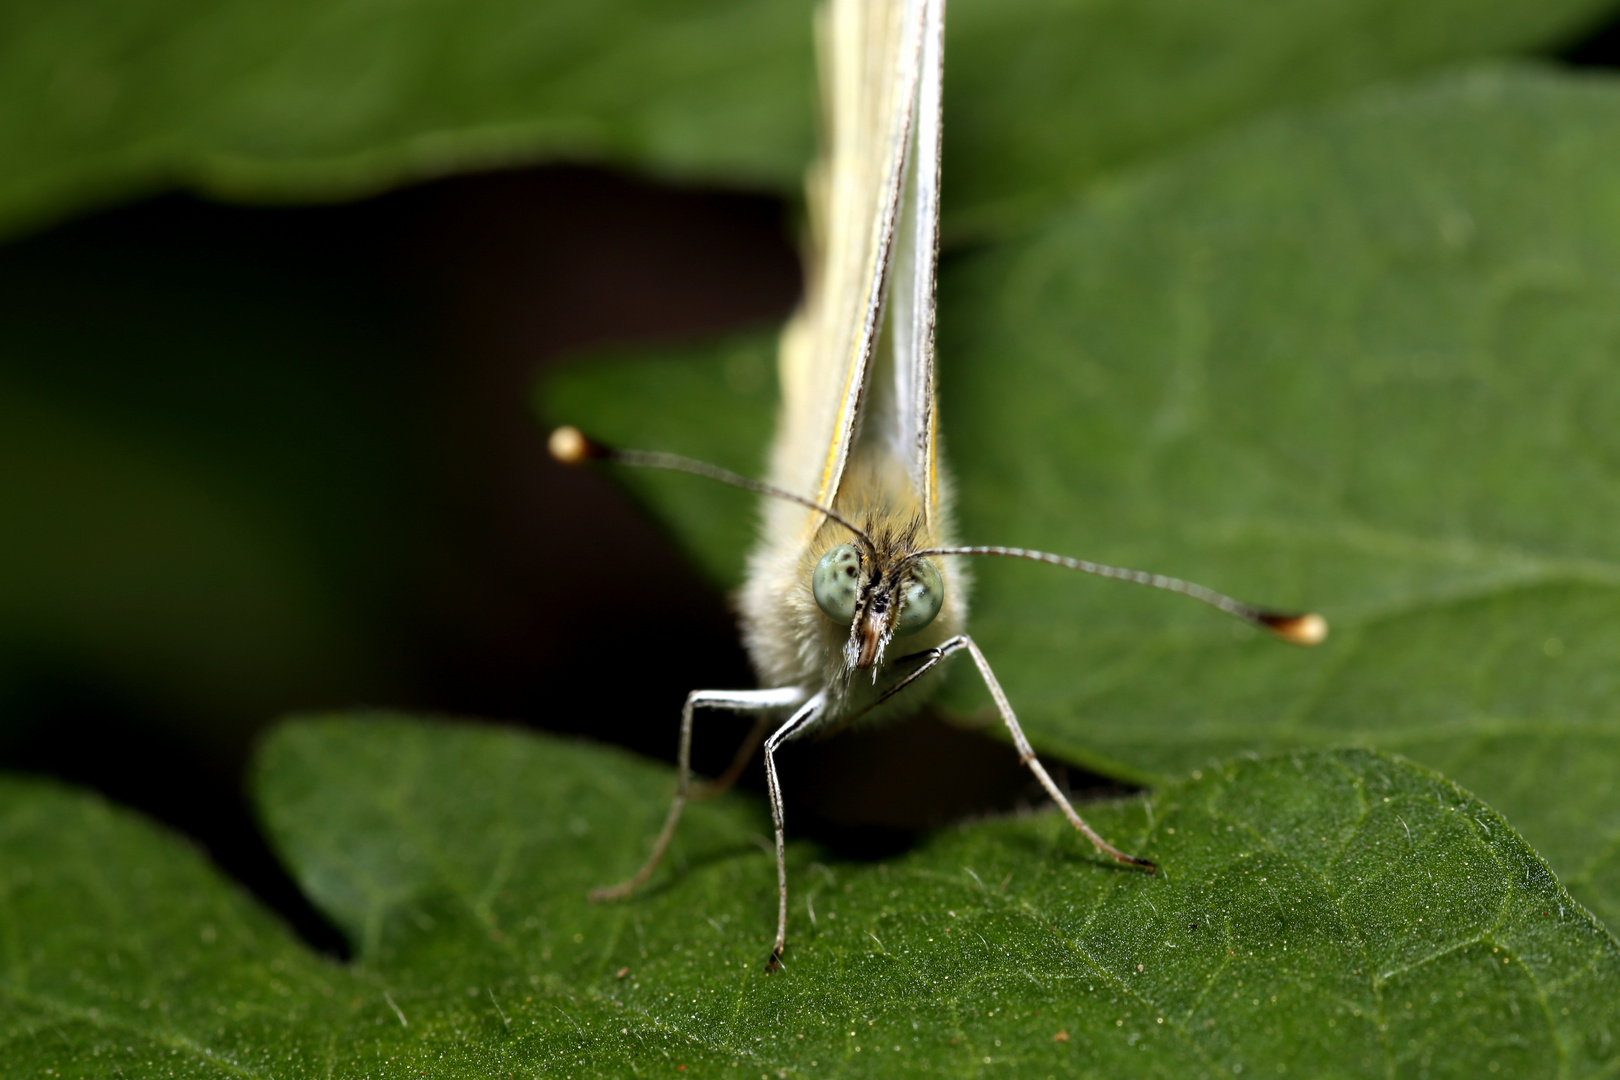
[
  {"x": 1307, "y": 629},
  {"x": 571, "y": 446}
]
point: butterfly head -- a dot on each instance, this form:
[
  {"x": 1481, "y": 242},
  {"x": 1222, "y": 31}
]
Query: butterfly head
[{"x": 880, "y": 589}]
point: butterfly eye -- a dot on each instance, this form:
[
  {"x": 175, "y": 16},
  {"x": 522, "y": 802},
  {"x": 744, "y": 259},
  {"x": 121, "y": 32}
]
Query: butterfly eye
[
  {"x": 922, "y": 597},
  {"x": 836, "y": 583}
]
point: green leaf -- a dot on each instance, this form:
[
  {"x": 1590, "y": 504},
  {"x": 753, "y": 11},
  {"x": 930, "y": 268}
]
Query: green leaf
[
  {"x": 1338, "y": 913},
  {"x": 1359, "y": 360},
  {"x": 1045, "y": 96},
  {"x": 303, "y": 100},
  {"x": 128, "y": 955}
]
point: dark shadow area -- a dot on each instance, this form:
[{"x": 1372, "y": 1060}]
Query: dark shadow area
[
  {"x": 1599, "y": 49},
  {"x": 874, "y": 792},
  {"x": 356, "y": 379}
]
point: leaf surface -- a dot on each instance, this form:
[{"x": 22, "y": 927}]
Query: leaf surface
[
  {"x": 1045, "y": 96},
  {"x": 1360, "y": 360},
  {"x": 1338, "y": 913},
  {"x": 300, "y": 99},
  {"x": 297, "y": 99}
]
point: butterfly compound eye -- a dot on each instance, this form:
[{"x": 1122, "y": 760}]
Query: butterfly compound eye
[
  {"x": 923, "y": 595},
  {"x": 836, "y": 582}
]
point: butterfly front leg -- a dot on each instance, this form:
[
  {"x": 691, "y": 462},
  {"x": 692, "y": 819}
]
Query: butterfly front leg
[
  {"x": 797, "y": 724},
  {"x": 745, "y": 701},
  {"x": 1026, "y": 753}
]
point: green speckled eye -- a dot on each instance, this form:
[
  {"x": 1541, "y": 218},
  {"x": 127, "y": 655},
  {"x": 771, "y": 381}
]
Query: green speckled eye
[
  {"x": 921, "y": 598},
  {"x": 836, "y": 581}
]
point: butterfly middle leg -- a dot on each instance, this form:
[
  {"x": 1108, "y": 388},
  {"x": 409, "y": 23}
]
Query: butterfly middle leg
[
  {"x": 1026, "y": 753},
  {"x": 762, "y": 702}
]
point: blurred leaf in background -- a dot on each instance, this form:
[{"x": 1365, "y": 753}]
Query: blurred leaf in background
[
  {"x": 1044, "y": 97},
  {"x": 310, "y": 101},
  {"x": 316, "y": 101}
]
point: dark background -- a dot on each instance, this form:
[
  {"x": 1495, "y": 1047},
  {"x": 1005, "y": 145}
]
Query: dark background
[{"x": 485, "y": 580}]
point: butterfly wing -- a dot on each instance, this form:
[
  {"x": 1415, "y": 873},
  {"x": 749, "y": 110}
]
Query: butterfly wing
[
  {"x": 857, "y": 428},
  {"x": 874, "y": 211},
  {"x": 910, "y": 318}
]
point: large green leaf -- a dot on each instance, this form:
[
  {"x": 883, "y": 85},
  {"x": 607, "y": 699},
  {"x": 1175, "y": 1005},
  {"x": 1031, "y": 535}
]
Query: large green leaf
[
  {"x": 310, "y": 99},
  {"x": 306, "y": 100},
  {"x": 1330, "y": 914},
  {"x": 1361, "y": 360}
]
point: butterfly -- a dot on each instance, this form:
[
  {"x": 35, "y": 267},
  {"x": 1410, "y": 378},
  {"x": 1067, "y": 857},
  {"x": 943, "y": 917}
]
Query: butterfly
[{"x": 857, "y": 588}]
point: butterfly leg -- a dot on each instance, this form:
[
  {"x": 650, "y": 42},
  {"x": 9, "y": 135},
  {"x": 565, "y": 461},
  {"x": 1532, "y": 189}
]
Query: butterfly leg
[
  {"x": 1026, "y": 753},
  {"x": 759, "y": 701},
  {"x": 796, "y": 725}
]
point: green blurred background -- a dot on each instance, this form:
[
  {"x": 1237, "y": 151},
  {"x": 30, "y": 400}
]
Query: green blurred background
[{"x": 278, "y": 278}]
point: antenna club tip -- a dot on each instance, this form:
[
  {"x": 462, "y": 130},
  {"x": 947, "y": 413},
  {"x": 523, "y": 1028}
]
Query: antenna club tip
[
  {"x": 1309, "y": 629},
  {"x": 570, "y": 446}
]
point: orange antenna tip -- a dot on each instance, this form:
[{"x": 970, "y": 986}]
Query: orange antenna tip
[
  {"x": 1309, "y": 629},
  {"x": 570, "y": 446}
]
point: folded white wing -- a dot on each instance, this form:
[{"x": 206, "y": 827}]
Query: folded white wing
[{"x": 874, "y": 208}]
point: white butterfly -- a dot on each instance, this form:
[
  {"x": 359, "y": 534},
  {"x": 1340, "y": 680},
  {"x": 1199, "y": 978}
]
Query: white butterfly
[{"x": 857, "y": 558}]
